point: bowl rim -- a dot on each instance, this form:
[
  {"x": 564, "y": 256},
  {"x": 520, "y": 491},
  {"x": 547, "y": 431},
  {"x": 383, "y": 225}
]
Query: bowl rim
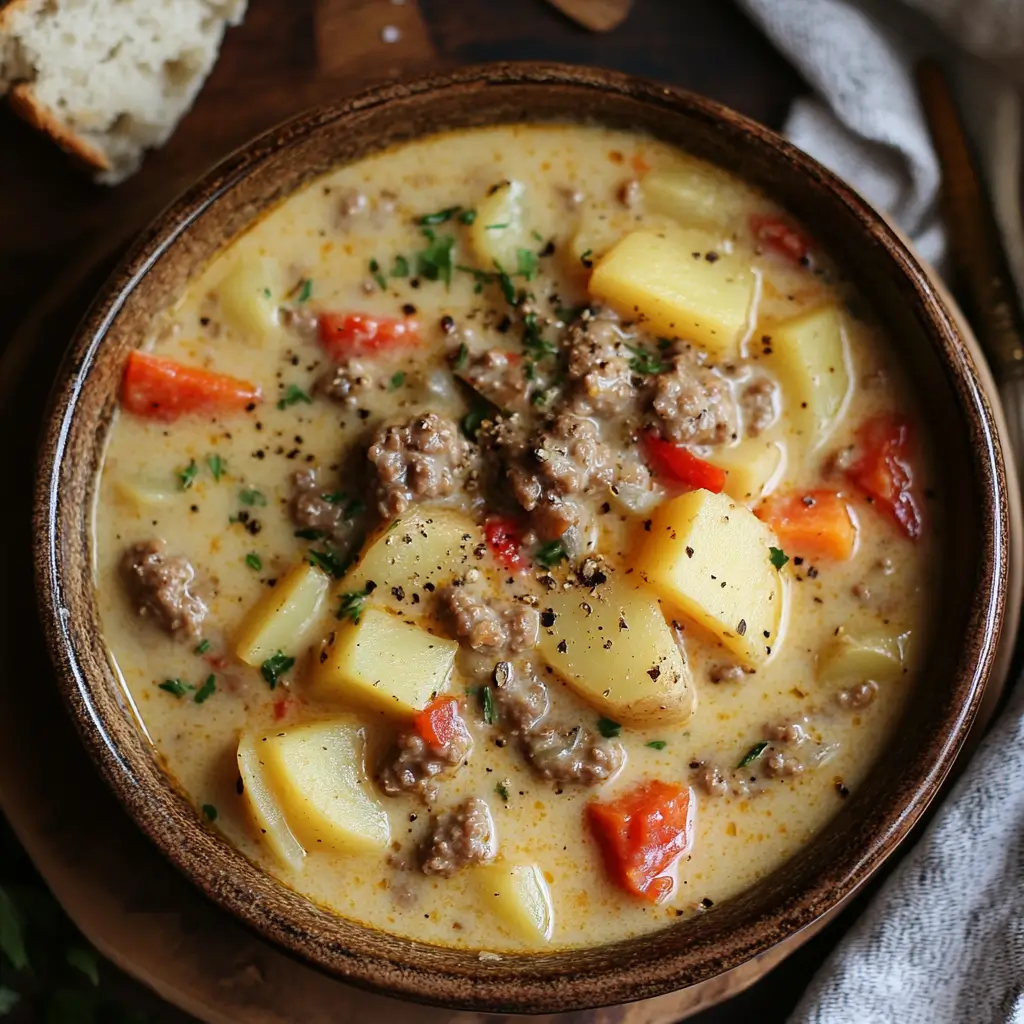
[{"x": 515, "y": 992}]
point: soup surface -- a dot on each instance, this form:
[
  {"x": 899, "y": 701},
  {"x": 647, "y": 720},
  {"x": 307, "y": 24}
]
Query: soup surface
[{"x": 517, "y": 539}]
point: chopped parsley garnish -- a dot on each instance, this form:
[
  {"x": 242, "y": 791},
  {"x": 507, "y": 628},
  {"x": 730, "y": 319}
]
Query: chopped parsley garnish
[
  {"x": 645, "y": 362},
  {"x": 608, "y": 727},
  {"x": 254, "y": 561},
  {"x": 526, "y": 263},
  {"x": 400, "y": 267},
  {"x": 250, "y": 496},
  {"x": 216, "y": 465},
  {"x": 753, "y": 754},
  {"x": 778, "y": 557},
  {"x": 207, "y": 690},
  {"x": 472, "y": 422},
  {"x": 508, "y": 289},
  {"x": 435, "y": 262},
  {"x": 568, "y": 314},
  {"x": 537, "y": 236},
  {"x": 308, "y": 533},
  {"x": 275, "y": 666},
  {"x": 533, "y": 341},
  {"x": 495, "y": 227},
  {"x": 266, "y": 293},
  {"x": 397, "y": 380},
  {"x": 550, "y": 554},
  {"x": 440, "y": 216},
  {"x": 375, "y": 273},
  {"x": 586, "y": 259},
  {"x": 305, "y": 290},
  {"x": 354, "y": 508},
  {"x": 461, "y": 357},
  {"x": 467, "y": 216},
  {"x": 328, "y": 561},
  {"x": 657, "y": 744},
  {"x": 351, "y": 606},
  {"x": 203, "y": 646},
  {"x": 502, "y": 790},
  {"x": 187, "y": 476},
  {"x": 209, "y": 812},
  {"x": 176, "y": 687},
  {"x": 490, "y": 709},
  {"x": 293, "y": 394}
]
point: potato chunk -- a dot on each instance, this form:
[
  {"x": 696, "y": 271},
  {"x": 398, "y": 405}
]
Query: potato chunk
[
  {"x": 427, "y": 545},
  {"x": 282, "y": 616},
  {"x": 811, "y": 357},
  {"x": 695, "y": 194},
  {"x": 708, "y": 557},
  {"x": 519, "y": 896},
  {"x": 246, "y": 298},
  {"x": 614, "y": 648},
  {"x": 500, "y": 229},
  {"x": 316, "y": 771},
  {"x": 385, "y": 661},
  {"x": 263, "y": 808},
  {"x": 853, "y": 657},
  {"x": 666, "y": 281},
  {"x": 752, "y": 468}
]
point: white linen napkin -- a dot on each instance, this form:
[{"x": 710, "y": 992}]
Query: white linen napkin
[{"x": 943, "y": 941}]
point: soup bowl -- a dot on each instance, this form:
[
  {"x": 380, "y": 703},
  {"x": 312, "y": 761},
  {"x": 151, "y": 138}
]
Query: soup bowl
[{"x": 968, "y": 618}]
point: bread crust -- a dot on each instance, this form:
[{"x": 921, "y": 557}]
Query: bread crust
[{"x": 24, "y": 103}]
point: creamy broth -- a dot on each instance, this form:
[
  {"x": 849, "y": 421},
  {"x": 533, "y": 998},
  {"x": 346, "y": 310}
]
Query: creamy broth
[{"x": 217, "y": 487}]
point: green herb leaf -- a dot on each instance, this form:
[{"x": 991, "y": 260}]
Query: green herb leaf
[
  {"x": 397, "y": 380},
  {"x": 210, "y": 812},
  {"x": 534, "y": 344},
  {"x": 440, "y": 216},
  {"x": 275, "y": 666},
  {"x": 657, "y": 744},
  {"x": 335, "y": 497},
  {"x": 550, "y": 554},
  {"x": 495, "y": 227},
  {"x": 569, "y": 314},
  {"x": 252, "y": 497},
  {"x": 508, "y": 289},
  {"x": 176, "y": 687},
  {"x": 328, "y": 561},
  {"x": 777, "y": 557},
  {"x": 536, "y": 235},
  {"x": 645, "y": 362},
  {"x": 203, "y": 646},
  {"x": 467, "y": 216},
  {"x": 472, "y": 422},
  {"x": 254, "y": 561},
  {"x": 86, "y": 960},
  {"x": 526, "y": 263},
  {"x": 354, "y": 508},
  {"x": 266, "y": 293},
  {"x": 502, "y": 790},
  {"x": 292, "y": 395},
  {"x": 400, "y": 267},
  {"x": 305, "y": 290},
  {"x": 435, "y": 262},
  {"x": 461, "y": 357},
  {"x": 608, "y": 727},
  {"x": 753, "y": 754},
  {"x": 216, "y": 465},
  {"x": 351, "y": 606},
  {"x": 12, "y": 935},
  {"x": 9, "y": 999},
  {"x": 375, "y": 273},
  {"x": 207, "y": 690},
  {"x": 310, "y": 534},
  {"x": 490, "y": 709},
  {"x": 187, "y": 476},
  {"x": 586, "y": 259}
]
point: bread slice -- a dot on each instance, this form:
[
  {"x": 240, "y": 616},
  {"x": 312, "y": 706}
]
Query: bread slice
[{"x": 108, "y": 79}]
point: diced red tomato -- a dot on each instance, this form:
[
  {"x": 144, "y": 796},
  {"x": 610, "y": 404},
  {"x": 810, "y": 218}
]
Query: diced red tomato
[
  {"x": 162, "y": 389},
  {"x": 349, "y": 334},
  {"x": 505, "y": 539},
  {"x": 440, "y": 722},
  {"x": 676, "y": 464},
  {"x": 217, "y": 661},
  {"x": 885, "y": 471},
  {"x": 813, "y": 524},
  {"x": 641, "y": 835},
  {"x": 780, "y": 237},
  {"x": 282, "y": 707}
]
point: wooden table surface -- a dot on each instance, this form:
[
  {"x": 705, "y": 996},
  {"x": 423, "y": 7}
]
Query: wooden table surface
[{"x": 291, "y": 54}]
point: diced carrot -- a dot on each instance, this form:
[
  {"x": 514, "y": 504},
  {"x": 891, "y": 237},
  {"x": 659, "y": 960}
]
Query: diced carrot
[
  {"x": 780, "y": 237},
  {"x": 812, "y": 524},
  {"x": 641, "y": 835},
  {"x": 504, "y": 537},
  {"x": 350, "y": 334},
  {"x": 885, "y": 472},
  {"x": 676, "y": 464},
  {"x": 162, "y": 389},
  {"x": 440, "y": 722}
]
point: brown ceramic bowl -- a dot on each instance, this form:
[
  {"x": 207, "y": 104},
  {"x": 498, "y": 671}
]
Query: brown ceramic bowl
[{"x": 969, "y": 616}]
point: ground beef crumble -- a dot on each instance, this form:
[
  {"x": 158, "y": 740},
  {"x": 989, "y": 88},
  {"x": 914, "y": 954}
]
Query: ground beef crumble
[
  {"x": 158, "y": 587},
  {"x": 460, "y": 837}
]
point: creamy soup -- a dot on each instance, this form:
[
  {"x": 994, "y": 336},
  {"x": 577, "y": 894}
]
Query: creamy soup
[{"x": 517, "y": 539}]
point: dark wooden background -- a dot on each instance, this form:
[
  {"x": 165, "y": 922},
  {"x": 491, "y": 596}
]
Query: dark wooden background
[{"x": 291, "y": 54}]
